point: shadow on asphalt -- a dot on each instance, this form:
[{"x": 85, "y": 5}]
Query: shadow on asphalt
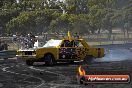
[
  {"x": 67, "y": 64},
  {"x": 59, "y": 64}
]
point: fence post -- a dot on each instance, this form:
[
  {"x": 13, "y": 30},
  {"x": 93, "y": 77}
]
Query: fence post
[{"x": 100, "y": 38}]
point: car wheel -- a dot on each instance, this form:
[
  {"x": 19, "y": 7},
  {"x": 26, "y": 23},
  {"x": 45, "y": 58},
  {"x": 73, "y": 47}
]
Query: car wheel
[
  {"x": 49, "y": 60},
  {"x": 29, "y": 62},
  {"x": 88, "y": 59}
]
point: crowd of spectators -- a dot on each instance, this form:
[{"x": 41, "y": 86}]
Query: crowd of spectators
[{"x": 25, "y": 42}]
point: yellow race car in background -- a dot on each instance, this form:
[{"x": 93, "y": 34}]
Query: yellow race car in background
[{"x": 67, "y": 49}]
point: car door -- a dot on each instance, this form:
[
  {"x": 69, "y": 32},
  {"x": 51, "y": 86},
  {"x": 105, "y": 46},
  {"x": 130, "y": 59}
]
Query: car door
[
  {"x": 67, "y": 50},
  {"x": 81, "y": 51}
]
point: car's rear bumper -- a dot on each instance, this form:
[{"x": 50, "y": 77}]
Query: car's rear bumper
[{"x": 26, "y": 56}]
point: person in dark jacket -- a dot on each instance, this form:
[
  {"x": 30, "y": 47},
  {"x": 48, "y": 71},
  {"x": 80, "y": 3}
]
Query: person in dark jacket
[
  {"x": 5, "y": 46},
  {"x": 31, "y": 40}
]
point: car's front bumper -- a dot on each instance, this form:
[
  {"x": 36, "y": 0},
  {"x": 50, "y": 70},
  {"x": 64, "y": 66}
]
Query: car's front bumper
[{"x": 26, "y": 56}]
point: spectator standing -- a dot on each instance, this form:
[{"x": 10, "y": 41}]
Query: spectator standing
[
  {"x": 31, "y": 40},
  {"x": 5, "y": 45}
]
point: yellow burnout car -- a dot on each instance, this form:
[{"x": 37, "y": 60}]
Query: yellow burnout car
[{"x": 67, "y": 49}]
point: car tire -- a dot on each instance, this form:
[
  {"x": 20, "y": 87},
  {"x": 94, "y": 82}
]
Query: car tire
[
  {"x": 88, "y": 59},
  {"x": 49, "y": 60},
  {"x": 29, "y": 62}
]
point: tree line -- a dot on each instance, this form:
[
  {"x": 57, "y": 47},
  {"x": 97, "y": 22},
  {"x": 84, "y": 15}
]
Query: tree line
[{"x": 83, "y": 16}]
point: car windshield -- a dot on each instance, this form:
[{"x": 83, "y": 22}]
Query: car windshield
[{"x": 52, "y": 43}]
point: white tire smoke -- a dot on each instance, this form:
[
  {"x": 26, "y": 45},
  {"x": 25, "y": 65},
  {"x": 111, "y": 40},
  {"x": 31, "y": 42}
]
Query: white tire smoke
[{"x": 116, "y": 55}]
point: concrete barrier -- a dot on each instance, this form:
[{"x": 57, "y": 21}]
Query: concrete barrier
[{"x": 7, "y": 54}]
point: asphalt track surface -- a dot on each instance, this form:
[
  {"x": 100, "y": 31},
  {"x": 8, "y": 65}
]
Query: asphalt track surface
[{"x": 16, "y": 74}]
